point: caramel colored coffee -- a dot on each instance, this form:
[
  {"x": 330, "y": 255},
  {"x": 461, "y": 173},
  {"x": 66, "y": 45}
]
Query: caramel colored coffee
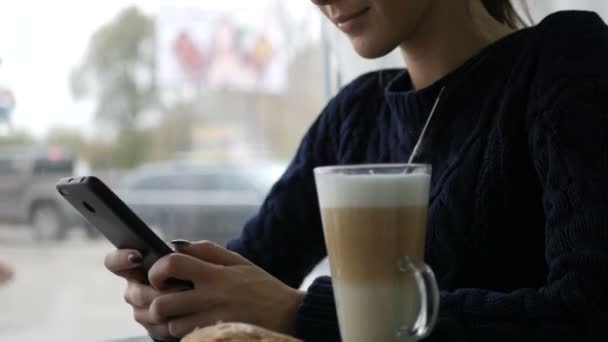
[
  {"x": 365, "y": 244},
  {"x": 373, "y": 224},
  {"x": 366, "y": 247}
]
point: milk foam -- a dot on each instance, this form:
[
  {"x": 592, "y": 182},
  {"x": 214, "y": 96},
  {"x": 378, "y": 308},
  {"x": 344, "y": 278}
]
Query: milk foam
[{"x": 376, "y": 191}]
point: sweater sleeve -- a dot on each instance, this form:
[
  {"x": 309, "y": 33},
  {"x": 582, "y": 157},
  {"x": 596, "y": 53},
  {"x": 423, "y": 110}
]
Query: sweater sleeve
[
  {"x": 568, "y": 142},
  {"x": 317, "y": 318},
  {"x": 285, "y": 237}
]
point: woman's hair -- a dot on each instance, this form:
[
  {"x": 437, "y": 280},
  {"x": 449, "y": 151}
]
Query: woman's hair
[{"x": 505, "y": 12}]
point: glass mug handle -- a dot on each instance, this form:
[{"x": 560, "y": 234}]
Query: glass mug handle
[{"x": 429, "y": 298}]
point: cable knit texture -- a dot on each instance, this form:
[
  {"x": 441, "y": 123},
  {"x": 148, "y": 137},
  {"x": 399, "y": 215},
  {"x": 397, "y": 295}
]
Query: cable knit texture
[{"x": 518, "y": 214}]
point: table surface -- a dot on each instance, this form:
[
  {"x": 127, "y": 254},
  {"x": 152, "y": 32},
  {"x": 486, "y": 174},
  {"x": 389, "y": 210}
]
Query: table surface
[
  {"x": 133, "y": 339},
  {"x": 139, "y": 339}
]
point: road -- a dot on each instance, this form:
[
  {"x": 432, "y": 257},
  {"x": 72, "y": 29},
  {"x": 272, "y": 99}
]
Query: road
[{"x": 61, "y": 291}]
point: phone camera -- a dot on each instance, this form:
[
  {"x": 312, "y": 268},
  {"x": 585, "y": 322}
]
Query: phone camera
[{"x": 89, "y": 207}]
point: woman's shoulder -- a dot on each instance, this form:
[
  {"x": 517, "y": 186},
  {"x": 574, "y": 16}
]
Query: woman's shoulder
[
  {"x": 571, "y": 35},
  {"x": 568, "y": 54},
  {"x": 570, "y": 23},
  {"x": 570, "y": 45}
]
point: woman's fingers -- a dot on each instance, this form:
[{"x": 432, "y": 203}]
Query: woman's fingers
[
  {"x": 122, "y": 260},
  {"x": 172, "y": 305},
  {"x": 182, "y": 326},
  {"x": 154, "y": 328},
  {"x": 139, "y": 295},
  {"x": 210, "y": 252},
  {"x": 178, "y": 266},
  {"x": 127, "y": 264},
  {"x": 192, "y": 260},
  {"x": 159, "y": 331}
]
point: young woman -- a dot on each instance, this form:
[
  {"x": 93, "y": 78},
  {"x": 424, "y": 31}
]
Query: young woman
[{"x": 518, "y": 214}]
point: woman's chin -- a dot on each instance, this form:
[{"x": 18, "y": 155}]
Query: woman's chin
[{"x": 371, "y": 49}]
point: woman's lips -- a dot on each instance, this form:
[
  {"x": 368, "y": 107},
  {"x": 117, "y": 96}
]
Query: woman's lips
[{"x": 350, "y": 22}]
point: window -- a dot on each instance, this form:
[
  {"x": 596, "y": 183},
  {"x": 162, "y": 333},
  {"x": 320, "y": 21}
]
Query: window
[
  {"x": 145, "y": 94},
  {"x": 7, "y": 167},
  {"x": 45, "y": 166},
  {"x": 154, "y": 183},
  {"x": 232, "y": 182},
  {"x": 135, "y": 85}
]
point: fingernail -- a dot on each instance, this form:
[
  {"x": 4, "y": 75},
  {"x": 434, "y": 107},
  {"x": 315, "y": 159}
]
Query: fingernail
[
  {"x": 181, "y": 242},
  {"x": 135, "y": 258}
]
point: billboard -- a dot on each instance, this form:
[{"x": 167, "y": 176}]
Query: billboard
[{"x": 221, "y": 50}]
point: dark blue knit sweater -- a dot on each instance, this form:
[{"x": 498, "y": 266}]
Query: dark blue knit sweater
[{"x": 518, "y": 216}]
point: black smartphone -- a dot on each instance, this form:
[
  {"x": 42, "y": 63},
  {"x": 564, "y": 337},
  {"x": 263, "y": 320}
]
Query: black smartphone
[{"x": 114, "y": 219}]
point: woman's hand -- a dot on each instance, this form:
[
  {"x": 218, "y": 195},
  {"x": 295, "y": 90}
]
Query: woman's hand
[
  {"x": 227, "y": 287},
  {"x": 126, "y": 263}
]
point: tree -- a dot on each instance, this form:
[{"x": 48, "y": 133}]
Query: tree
[
  {"x": 118, "y": 71},
  {"x": 17, "y": 138}
]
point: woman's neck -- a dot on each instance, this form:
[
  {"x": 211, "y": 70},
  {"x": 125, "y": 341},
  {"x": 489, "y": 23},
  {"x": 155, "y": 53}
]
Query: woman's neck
[{"x": 452, "y": 34}]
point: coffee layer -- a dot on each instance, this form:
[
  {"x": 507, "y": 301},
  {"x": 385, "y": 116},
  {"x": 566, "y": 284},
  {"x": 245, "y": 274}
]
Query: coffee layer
[{"x": 365, "y": 245}]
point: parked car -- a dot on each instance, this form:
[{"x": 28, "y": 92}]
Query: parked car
[
  {"x": 27, "y": 190},
  {"x": 198, "y": 200}
]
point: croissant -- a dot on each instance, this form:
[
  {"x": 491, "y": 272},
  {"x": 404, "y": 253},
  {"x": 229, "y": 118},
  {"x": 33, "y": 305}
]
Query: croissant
[{"x": 236, "y": 332}]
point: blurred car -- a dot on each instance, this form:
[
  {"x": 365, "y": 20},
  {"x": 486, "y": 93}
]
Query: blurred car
[
  {"x": 198, "y": 200},
  {"x": 27, "y": 190}
]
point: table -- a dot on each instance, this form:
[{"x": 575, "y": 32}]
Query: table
[{"x": 133, "y": 339}]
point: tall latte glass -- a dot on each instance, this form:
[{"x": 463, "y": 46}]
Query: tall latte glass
[{"x": 374, "y": 221}]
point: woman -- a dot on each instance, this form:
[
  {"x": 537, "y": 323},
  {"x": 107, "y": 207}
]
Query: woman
[{"x": 518, "y": 226}]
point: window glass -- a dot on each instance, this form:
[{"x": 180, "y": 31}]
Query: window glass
[
  {"x": 7, "y": 167},
  {"x": 163, "y": 100},
  {"x": 61, "y": 167},
  {"x": 233, "y": 181},
  {"x": 140, "y": 91},
  {"x": 154, "y": 183},
  {"x": 191, "y": 182}
]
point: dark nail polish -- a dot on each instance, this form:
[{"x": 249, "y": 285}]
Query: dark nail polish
[
  {"x": 135, "y": 258},
  {"x": 181, "y": 242}
]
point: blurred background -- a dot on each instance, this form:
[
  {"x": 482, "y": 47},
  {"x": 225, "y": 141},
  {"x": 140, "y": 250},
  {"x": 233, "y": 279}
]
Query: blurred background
[{"x": 190, "y": 110}]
